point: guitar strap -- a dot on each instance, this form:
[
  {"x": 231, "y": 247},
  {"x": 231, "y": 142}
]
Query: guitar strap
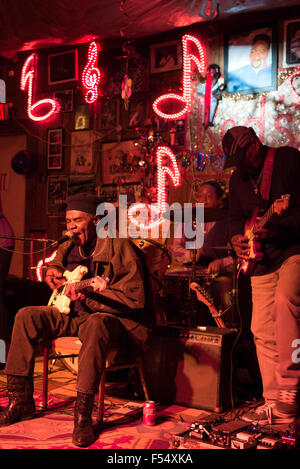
[{"x": 266, "y": 179}]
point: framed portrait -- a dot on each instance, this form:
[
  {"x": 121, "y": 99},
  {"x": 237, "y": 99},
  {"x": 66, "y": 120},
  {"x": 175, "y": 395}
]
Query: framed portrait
[
  {"x": 82, "y": 117},
  {"x": 250, "y": 62},
  {"x": 82, "y": 183},
  {"x": 57, "y": 193},
  {"x": 63, "y": 67},
  {"x": 291, "y": 46},
  {"x": 65, "y": 100},
  {"x": 120, "y": 160},
  {"x": 55, "y": 148},
  {"x": 137, "y": 112},
  {"x": 110, "y": 110},
  {"x": 82, "y": 150},
  {"x": 165, "y": 57}
]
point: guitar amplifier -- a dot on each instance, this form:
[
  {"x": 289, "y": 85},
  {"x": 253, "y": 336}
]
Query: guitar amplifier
[{"x": 191, "y": 367}]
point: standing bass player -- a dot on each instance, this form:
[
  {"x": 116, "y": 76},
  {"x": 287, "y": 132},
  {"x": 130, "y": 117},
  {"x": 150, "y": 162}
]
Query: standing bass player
[
  {"x": 111, "y": 312},
  {"x": 268, "y": 247}
]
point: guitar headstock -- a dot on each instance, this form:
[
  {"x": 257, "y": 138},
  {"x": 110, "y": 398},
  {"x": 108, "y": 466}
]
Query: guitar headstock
[
  {"x": 281, "y": 204},
  {"x": 202, "y": 294}
]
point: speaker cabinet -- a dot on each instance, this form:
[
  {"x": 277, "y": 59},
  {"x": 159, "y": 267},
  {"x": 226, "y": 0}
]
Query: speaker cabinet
[{"x": 191, "y": 367}]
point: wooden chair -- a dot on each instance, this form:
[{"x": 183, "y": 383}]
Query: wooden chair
[{"x": 69, "y": 347}]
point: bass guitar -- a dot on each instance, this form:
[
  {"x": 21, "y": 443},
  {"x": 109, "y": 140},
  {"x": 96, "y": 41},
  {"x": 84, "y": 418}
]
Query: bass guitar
[
  {"x": 61, "y": 301},
  {"x": 255, "y": 252},
  {"x": 204, "y": 296}
]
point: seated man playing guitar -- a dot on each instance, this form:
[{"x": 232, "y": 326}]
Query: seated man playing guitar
[
  {"x": 264, "y": 217},
  {"x": 109, "y": 309}
]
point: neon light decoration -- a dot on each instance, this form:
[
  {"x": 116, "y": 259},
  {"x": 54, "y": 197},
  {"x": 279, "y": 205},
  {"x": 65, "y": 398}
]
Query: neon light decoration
[
  {"x": 161, "y": 207},
  {"x": 91, "y": 75},
  {"x": 27, "y": 79},
  {"x": 185, "y": 100},
  {"x": 40, "y": 265}
]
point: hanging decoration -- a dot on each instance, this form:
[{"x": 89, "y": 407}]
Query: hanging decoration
[
  {"x": 209, "y": 9},
  {"x": 188, "y": 44},
  {"x": 126, "y": 90},
  {"x": 294, "y": 84},
  {"x": 91, "y": 75},
  {"x": 27, "y": 79}
]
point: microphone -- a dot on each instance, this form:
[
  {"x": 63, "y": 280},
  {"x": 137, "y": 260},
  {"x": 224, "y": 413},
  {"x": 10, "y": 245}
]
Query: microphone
[{"x": 67, "y": 236}]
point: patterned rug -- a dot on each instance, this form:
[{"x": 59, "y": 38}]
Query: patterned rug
[{"x": 122, "y": 428}]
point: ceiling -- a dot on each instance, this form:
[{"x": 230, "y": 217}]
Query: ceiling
[{"x": 34, "y": 24}]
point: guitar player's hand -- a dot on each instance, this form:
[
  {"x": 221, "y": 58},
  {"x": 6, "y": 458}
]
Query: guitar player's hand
[
  {"x": 71, "y": 293},
  {"x": 99, "y": 284},
  {"x": 240, "y": 245},
  {"x": 54, "y": 278}
]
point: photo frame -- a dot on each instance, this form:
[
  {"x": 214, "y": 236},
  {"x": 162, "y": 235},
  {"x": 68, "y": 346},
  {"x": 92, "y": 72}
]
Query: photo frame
[
  {"x": 55, "y": 149},
  {"x": 110, "y": 113},
  {"x": 82, "y": 150},
  {"x": 165, "y": 57},
  {"x": 57, "y": 192},
  {"x": 82, "y": 117},
  {"x": 65, "y": 99},
  {"x": 250, "y": 60},
  {"x": 291, "y": 44},
  {"x": 119, "y": 161},
  {"x": 63, "y": 67}
]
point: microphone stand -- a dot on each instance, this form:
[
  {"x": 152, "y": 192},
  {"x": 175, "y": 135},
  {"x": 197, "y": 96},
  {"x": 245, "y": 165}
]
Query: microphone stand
[{"x": 22, "y": 238}]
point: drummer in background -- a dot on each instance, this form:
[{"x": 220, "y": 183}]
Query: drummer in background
[{"x": 216, "y": 233}]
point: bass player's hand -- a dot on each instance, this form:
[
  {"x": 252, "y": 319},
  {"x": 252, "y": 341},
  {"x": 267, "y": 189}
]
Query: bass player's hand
[{"x": 240, "y": 245}]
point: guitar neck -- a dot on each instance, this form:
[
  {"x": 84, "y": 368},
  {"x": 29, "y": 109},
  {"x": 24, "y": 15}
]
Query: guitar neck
[
  {"x": 83, "y": 284},
  {"x": 265, "y": 218}
]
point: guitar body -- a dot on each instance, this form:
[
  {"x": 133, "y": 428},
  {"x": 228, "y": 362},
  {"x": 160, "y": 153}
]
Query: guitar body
[
  {"x": 58, "y": 298},
  {"x": 255, "y": 253}
]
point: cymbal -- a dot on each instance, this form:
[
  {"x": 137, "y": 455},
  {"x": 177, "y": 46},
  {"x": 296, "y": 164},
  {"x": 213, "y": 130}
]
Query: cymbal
[{"x": 210, "y": 214}]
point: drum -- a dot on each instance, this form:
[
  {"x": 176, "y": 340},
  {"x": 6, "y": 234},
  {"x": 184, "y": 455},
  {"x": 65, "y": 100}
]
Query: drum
[{"x": 157, "y": 259}]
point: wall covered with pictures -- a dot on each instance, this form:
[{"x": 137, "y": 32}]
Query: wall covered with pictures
[{"x": 108, "y": 146}]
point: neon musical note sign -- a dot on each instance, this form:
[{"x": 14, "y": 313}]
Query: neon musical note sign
[
  {"x": 91, "y": 75},
  {"x": 162, "y": 171},
  {"x": 27, "y": 79},
  {"x": 184, "y": 101}
]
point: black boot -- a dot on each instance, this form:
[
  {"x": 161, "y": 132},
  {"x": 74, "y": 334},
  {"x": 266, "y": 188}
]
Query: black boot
[
  {"x": 21, "y": 405},
  {"x": 83, "y": 433}
]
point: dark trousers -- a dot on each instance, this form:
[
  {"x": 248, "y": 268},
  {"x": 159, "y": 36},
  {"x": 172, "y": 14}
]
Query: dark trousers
[
  {"x": 5, "y": 259},
  {"x": 98, "y": 333}
]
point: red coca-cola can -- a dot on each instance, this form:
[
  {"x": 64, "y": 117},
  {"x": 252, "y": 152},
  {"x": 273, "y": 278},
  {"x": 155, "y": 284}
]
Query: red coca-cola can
[{"x": 149, "y": 412}]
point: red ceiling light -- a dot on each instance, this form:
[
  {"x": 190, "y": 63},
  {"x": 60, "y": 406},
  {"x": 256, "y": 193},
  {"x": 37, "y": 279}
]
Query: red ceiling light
[
  {"x": 27, "y": 78},
  {"x": 91, "y": 75},
  {"x": 188, "y": 44}
]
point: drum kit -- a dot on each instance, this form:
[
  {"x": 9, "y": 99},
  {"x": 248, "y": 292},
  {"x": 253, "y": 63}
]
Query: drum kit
[{"x": 190, "y": 274}]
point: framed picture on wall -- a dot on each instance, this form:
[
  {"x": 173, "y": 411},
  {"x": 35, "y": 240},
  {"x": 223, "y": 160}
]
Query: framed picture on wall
[
  {"x": 65, "y": 100},
  {"x": 120, "y": 161},
  {"x": 82, "y": 117},
  {"x": 291, "y": 46},
  {"x": 82, "y": 151},
  {"x": 57, "y": 192},
  {"x": 109, "y": 113},
  {"x": 250, "y": 62},
  {"x": 55, "y": 149},
  {"x": 165, "y": 57},
  {"x": 63, "y": 67}
]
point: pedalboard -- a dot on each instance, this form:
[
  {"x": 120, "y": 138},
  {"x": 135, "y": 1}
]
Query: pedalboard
[{"x": 235, "y": 434}]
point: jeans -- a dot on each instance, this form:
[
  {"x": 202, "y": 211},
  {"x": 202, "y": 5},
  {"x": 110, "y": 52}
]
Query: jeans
[{"x": 275, "y": 325}]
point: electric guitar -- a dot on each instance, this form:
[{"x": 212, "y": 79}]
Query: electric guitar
[
  {"x": 204, "y": 296},
  {"x": 255, "y": 253},
  {"x": 60, "y": 300}
]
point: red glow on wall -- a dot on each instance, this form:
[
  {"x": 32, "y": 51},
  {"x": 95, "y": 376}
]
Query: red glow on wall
[
  {"x": 183, "y": 103},
  {"x": 91, "y": 75},
  {"x": 42, "y": 109}
]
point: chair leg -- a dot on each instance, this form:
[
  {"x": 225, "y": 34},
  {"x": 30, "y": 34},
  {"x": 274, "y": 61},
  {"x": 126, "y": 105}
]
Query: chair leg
[
  {"x": 142, "y": 378},
  {"x": 45, "y": 378},
  {"x": 101, "y": 397}
]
